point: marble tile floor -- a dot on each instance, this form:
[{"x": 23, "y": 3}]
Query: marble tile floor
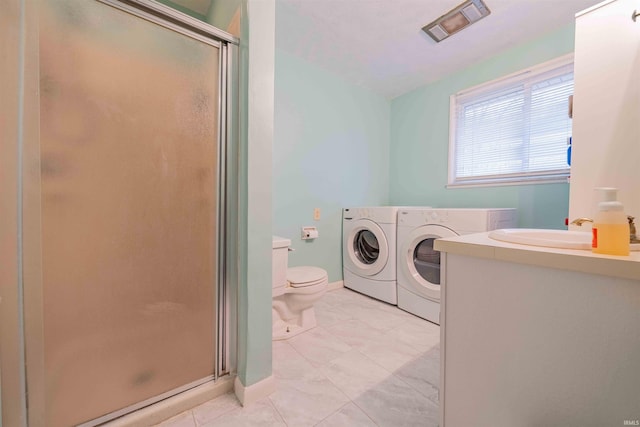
[{"x": 367, "y": 363}]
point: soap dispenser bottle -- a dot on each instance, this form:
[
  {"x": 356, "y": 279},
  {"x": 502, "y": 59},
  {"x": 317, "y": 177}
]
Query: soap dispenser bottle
[{"x": 610, "y": 226}]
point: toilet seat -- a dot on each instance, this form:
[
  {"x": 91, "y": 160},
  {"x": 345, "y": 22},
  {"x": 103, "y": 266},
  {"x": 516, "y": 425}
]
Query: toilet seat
[{"x": 300, "y": 277}]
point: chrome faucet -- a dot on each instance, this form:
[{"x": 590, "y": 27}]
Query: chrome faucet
[
  {"x": 581, "y": 221},
  {"x": 632, "y": 227},
  {"x": 632, "y": 230}
]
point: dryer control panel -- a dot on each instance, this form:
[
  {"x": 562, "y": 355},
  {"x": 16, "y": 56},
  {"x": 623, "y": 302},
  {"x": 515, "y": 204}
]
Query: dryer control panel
[
  {"x": 462, "y": 220},
  {"x": 378, "y": 214}
]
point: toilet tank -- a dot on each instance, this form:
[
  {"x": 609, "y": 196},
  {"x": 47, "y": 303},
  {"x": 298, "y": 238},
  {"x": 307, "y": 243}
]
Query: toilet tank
[{"x": 280, "y": 256}]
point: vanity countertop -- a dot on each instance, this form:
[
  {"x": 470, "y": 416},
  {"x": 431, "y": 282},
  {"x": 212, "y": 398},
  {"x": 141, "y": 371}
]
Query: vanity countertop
[{"x": 480, "y": 245}]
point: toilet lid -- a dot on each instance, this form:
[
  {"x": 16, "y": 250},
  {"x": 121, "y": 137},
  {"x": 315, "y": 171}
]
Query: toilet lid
[{"x": 305, "y": 276}]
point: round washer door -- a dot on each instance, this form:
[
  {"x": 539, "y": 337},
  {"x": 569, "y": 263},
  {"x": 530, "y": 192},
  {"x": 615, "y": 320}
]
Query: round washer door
[
  {"x": 420, "y": 263},
  {"x": 366, "y": 250}
]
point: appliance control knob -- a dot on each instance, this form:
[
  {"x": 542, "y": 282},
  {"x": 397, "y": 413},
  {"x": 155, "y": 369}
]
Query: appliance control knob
[{"x": 434, "y": 216}]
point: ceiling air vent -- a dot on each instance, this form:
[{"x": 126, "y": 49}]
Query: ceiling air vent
[{"x": 456, "y": 19}]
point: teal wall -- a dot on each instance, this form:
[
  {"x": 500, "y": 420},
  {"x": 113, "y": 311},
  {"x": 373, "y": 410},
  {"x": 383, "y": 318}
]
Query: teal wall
[
  {"x": 184, "y": 9},
  {"x": 219, "y": 13},
  {"x": 420, "y": 137},
  {"x": 255, "y": 174},
  {"x": 330, "y": 151}
]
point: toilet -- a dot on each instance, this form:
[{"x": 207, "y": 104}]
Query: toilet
[{"x": 295, "y": 290}]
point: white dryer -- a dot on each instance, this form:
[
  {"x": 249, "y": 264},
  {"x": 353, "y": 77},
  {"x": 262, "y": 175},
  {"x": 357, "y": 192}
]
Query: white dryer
[
  {"x": 369, "y": 251},
  {"x": 418, "y": 264}
]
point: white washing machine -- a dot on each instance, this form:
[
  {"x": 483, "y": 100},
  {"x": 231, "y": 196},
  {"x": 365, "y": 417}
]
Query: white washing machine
[
  {"x": 418, "y": 265},
  {"x": 369, "y": 251}
]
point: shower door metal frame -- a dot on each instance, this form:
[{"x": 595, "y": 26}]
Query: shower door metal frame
[{"x": 25, "y": 351}]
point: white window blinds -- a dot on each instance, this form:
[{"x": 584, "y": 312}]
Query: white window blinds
[{"x": 512, "y": 130}]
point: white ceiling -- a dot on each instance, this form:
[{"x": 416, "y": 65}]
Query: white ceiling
[{"x": 379, "y": 44}]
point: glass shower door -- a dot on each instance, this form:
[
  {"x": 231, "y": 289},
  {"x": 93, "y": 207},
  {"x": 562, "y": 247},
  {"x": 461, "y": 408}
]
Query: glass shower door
[{"x": 129, "y": 196}]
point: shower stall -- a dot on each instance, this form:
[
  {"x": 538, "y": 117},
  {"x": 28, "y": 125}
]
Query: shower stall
[{"x": 123, "y": 175}]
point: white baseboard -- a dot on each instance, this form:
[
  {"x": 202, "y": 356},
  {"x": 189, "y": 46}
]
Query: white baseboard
[
  {"x": 254, "y": 392},
  {"x": 336, "y": 285}
]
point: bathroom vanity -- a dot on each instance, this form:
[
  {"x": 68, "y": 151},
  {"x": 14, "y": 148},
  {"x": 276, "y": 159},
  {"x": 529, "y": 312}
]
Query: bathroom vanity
[{"x": 537, "y": 336}]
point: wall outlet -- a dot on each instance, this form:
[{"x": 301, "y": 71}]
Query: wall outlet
[{"x": 316, "y": 214}]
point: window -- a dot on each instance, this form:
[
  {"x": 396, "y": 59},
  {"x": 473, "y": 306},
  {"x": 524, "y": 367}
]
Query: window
[{"x": 514, "y": 129}]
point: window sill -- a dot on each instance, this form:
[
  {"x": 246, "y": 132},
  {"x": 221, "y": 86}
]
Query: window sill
[{"x": 509, "y": 182}]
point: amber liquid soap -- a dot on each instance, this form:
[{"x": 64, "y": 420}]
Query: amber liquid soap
[
  {"x": 610, "y": 226},
  {"x": 611, "y": 239}
]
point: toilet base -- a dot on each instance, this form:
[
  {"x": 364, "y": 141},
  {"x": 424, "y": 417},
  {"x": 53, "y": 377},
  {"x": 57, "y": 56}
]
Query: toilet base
[{"x": 285, "y": 329}]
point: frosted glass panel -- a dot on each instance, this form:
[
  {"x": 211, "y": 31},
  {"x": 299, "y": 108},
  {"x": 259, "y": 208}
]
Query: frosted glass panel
[{"x": 129, "y": 201}]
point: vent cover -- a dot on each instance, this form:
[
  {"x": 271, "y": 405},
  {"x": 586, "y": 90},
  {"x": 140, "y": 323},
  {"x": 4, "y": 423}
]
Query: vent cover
[{"x": 456, "y": 19}]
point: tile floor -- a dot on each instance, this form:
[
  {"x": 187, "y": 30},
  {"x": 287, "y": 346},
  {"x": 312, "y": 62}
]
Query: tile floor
[{"x": 367, "y": 363}]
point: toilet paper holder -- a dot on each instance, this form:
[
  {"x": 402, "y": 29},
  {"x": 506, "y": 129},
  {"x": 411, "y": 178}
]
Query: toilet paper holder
[{"x": 308, "y": 233}]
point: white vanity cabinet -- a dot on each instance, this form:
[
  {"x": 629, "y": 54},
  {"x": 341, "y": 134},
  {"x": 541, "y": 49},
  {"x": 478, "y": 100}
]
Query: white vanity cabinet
[
  {"x": 606, "y": 107},
  {"x": 538, "y": 336}
]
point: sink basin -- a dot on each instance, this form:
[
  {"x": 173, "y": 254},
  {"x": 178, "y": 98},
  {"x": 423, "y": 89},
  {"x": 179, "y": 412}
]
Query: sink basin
[
  {"x": 549, "y": 238},
  {"x": 562, "y": 239}
]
